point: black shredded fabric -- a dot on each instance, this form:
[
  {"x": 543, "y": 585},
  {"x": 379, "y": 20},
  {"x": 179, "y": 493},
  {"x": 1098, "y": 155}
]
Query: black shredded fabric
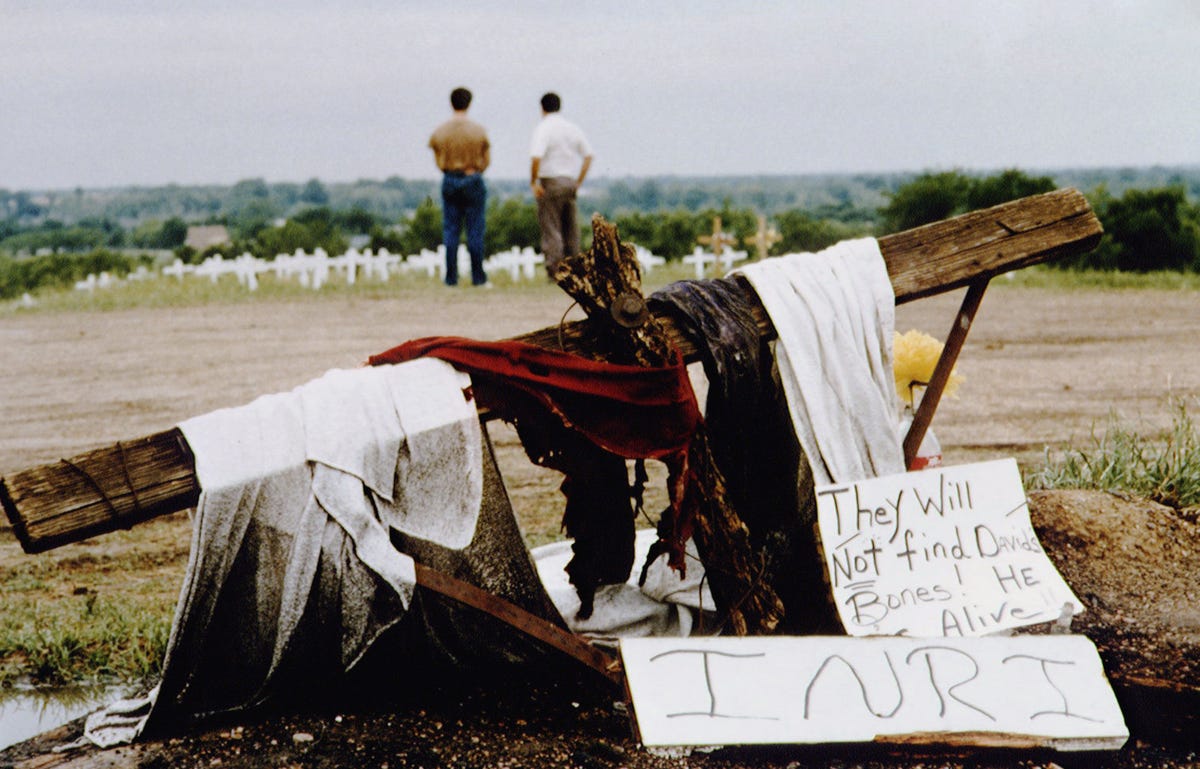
[
  {"x": 767, "y": 477},
  {"x": 598, "y": 516}
]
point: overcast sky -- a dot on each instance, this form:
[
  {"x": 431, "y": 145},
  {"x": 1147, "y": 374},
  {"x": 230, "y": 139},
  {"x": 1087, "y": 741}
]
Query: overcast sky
[{"x": 105, "y": 92}]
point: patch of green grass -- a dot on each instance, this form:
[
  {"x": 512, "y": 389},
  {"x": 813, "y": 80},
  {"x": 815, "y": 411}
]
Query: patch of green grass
[
  {"x": 83, "y": 637},
  {"x": 168, "y": 291},
  {"x": 91, "y": 611},
  {"x": 1163, "y": 467},
  {"x": 1043, "y": 276}
]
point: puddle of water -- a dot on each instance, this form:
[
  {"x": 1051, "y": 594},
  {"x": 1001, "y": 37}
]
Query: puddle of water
[{"x": 27, "y": 712}]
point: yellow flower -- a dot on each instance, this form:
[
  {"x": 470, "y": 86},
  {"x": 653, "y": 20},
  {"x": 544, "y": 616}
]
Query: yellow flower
[{"x": 915, "y": 356}]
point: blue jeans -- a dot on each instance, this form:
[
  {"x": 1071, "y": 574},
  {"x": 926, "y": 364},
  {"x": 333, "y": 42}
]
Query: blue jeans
[{"x": 463, "y": 203}]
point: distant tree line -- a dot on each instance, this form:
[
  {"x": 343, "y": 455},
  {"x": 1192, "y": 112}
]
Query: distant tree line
[
  {"x": 1145, "y": 229},
  {"x": 844, "y": 197},
  {"x": 251, "y": 200}
]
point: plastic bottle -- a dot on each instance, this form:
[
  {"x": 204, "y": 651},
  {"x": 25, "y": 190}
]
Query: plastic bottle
[{"x": 929, "y": 453}]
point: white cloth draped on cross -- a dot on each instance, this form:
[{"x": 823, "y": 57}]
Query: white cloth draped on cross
[{"x": 835, "y": 314}]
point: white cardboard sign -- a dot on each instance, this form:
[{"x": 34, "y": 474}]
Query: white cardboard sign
[
  {"x": 1018, "y": 691},
  {"x": 944, "y": 552}
]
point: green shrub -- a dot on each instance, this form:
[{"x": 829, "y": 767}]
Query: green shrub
[
  {"x": 510, "y": 223},
  {"x": 21, "y": 274}
]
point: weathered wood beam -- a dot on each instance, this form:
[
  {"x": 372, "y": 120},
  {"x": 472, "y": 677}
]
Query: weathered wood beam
[
  {"x": 118, "y": 486},
  {"x": 103, "y": 490},
  {"x": 946, "y": 255},
  {"x": 942, "y": 256}
]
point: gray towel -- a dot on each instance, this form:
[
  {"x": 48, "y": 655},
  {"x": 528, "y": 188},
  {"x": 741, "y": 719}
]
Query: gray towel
[{"x": 292, "y": 564}]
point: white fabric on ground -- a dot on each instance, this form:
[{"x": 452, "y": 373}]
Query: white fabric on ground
[
  {"x": 290, "y": 537},
  {"x": 834, "y": 312},
  {"x": 665, "y": 606}
]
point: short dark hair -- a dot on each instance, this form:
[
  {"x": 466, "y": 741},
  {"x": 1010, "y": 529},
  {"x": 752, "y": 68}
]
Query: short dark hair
[
  {"x": 551, "y": 102},
  {"x": 460, "y": 98}
]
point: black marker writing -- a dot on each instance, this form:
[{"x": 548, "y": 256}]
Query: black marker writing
[
  {"x": 862, "y": 686},
  {"x": 712, "y": 711},
  {"x": 1044, "y": 664},
  {"x": 927, "y": 651}
]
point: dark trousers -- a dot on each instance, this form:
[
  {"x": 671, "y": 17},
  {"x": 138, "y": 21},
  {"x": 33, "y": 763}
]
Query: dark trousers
[
  {"x": 464, "y": 200},
  {"x": 557, "y": 219}
]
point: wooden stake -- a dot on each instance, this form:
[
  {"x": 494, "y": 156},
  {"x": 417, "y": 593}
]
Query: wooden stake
[
  {"x": 941, "y": 372},
  {"x": 605, "y": 281}
]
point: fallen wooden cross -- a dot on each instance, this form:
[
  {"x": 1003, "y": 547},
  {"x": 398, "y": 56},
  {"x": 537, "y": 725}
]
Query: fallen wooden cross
[{"x": 131, "y": 481}]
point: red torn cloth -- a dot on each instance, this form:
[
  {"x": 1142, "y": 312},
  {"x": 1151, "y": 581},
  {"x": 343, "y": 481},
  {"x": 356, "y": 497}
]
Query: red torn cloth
[{"x": 634, "y": 412}]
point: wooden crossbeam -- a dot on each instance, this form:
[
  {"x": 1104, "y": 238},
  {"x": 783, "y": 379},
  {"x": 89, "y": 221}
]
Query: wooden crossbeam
[
  {"x": 939, "y": 257},
  {"x": 110, "y": 488},
  {"x": 950, "y": 254},
  {"x": 121, "y": 485}
]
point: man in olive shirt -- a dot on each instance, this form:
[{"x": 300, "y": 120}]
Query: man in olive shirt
[{"x": 460, "y": 148}]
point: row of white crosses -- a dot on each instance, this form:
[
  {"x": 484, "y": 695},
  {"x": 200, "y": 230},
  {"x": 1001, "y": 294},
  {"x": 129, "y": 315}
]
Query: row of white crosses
[
  {"x": 105, "y": 279},
  {"x": 311, "y": 270},
  {"x": 647, "y": 260},
  {"x": 519, "y": 263},
  {"x": 94, "y": 281},
  {"x": 700, "y": 259},
  {"x": 314, "y": 270}
]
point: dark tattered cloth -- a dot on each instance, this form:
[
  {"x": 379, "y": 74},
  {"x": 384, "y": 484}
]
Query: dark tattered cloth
[
  {"x": 746, "y": 416},
  {"x": 566, "y": 407},
  {"x": 744, "y": 400}
]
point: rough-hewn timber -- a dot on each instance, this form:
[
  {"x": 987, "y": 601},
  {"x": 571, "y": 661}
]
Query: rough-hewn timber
[{"x": 100, "y": 491}]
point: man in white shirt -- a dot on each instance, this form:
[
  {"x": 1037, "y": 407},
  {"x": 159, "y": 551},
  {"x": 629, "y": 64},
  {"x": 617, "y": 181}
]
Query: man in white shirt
[{"x": 561, "y": 157}]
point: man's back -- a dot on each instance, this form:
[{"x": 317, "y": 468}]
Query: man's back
[
  {"x": 460, "y": 145},
  {"x": 561, "y": 146}
]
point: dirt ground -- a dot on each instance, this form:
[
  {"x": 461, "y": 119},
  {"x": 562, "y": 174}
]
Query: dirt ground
[{"x": 1043, "y": 368}]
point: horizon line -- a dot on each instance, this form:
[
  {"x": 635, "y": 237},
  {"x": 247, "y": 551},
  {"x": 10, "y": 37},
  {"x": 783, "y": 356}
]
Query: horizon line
[{"x": 969, "y": 171}]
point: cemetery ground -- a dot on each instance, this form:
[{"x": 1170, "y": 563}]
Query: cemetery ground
[{"x": 1044, "y": 369}]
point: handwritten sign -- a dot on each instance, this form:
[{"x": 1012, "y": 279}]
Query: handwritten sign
[
  {"x": 942, "y": 552},
  {"x": 814, "y": 689}
]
